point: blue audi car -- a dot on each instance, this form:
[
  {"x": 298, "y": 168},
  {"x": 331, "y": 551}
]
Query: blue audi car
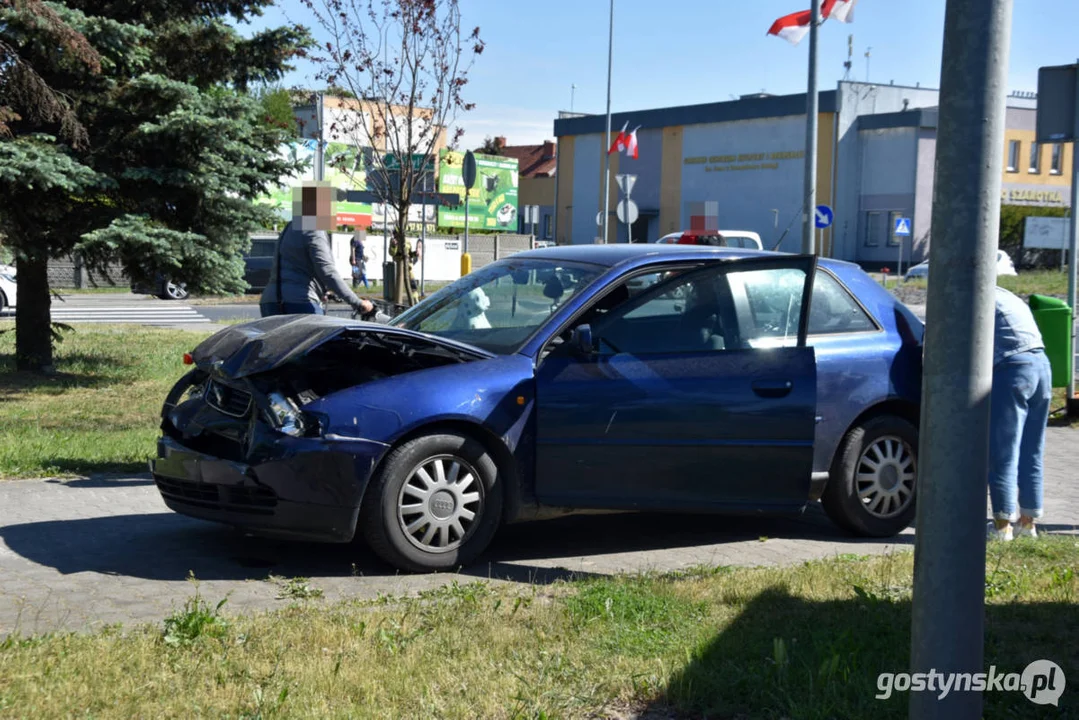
[{"x": 567, "y": 379}]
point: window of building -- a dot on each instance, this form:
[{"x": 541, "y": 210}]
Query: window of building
[
  {"x": 834, "y": 311},
  {"x": 874, "y": 228},
  {"x": 546, "y": 227},
  {"x": 893, "y": 239},
  {"x": 1013, "y": 156},
  {"x": 1035, "y": 159},
  {"x": 1058, "y": 159}
]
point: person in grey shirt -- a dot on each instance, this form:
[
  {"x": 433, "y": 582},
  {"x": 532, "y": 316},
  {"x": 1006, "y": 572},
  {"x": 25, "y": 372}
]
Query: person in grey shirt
[
  {"x": 303, "y": 269},
  {"x": 1019, "y": 411}
]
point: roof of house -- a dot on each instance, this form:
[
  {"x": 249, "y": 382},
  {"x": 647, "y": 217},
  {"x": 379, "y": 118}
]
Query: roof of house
[{"x": 533, "y": 160}]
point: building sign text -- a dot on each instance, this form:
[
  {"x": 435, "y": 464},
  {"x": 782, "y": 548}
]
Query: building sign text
[
  {"x": 1052, "y": 197},
  {"x": 744, "y": 161}
]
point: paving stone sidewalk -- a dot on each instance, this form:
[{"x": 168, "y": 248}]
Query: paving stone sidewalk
[{"x": 78, "y": 554}]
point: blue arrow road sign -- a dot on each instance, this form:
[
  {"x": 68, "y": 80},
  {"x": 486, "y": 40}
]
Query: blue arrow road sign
[
  {"x": 824, "y": 217},
  {"x": 902, "y": 226}
]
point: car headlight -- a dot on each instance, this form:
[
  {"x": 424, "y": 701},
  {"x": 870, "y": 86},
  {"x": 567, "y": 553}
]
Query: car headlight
[{"x": 286, "y": 416}]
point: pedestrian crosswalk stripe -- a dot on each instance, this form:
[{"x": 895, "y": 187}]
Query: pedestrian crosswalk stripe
[{"x": 129, "y": 314}]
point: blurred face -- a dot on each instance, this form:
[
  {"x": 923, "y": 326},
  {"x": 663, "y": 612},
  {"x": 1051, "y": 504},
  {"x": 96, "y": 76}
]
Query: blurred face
[{"x": 313, "y": 207}]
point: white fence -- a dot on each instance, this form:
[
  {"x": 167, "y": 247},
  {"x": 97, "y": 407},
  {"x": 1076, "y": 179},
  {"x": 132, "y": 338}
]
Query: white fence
[{"x": 440, "y": 260}]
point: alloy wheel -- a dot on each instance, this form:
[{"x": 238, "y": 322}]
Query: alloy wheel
[
  {"x": 440, "y": 504},
  {"x": 176, "y": 291},
  {"x": 885, "y": 477}
]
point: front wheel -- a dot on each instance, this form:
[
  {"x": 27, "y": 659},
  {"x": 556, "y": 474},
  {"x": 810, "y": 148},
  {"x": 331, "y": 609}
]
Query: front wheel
[
  {"x": 871, "y": 490},
  {"x": 435, "y": 505}
]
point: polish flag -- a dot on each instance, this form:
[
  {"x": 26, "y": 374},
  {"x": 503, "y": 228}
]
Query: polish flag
[
  {"x": 794, "y": 27},
  {"x": 631, "y": 143},
  {"x": 619, "y": 143},
  {"x": 841, "y": 10}
]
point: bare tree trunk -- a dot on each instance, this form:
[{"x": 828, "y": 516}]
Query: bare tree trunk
[
  {"x": 403, "y": 290},
  {"x": 33, "y": 323}
]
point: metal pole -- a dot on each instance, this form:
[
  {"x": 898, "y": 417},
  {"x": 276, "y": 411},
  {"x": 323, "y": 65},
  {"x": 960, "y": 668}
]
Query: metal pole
[
  {"x": 1072, "y": 405},
  {"x": 947, "y": 619},
  {"x": 554, "y": 220},
  {"x": 320, "y": 155},
  {"x": 899, "y": 267},
  {"x": 811, "y": 136},
  {"x": 467, "y": 191},
  {"x": 572, "y": 92},
  {"x": 606, "y": 148}
]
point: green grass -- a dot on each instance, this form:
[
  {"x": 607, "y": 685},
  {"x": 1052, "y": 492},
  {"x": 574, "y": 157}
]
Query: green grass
[
  {"x": 797, "y": 642},
  {"x": 100, "y": 413},
  {"x": 100, "y": 290},
  {"x": 1039, "y": 282},
  {"x": 1027, "y": 282}
]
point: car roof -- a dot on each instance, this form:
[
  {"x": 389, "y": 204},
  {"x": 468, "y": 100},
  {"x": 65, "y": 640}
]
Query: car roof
[{"x": 616, "y": 253}]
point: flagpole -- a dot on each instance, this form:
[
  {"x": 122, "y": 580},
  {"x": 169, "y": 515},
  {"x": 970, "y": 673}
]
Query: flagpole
[
  {"x": 606, "y": 148},
  {"x": 810, "y": 210}
]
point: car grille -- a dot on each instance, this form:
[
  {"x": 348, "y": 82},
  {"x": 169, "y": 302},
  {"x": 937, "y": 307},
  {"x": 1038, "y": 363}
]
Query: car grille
[
  {"x": 228, "y": 400},
  {"x": 255, "y": 500}
]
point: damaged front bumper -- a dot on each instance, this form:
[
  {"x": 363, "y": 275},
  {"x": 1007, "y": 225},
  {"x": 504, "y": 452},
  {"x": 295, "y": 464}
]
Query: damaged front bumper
[{"x": 238, "y": 471}]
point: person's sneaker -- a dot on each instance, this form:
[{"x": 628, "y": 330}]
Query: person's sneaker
[
  {"x": 992, "y": 532},
  {"x": 1028, "y": 531}
]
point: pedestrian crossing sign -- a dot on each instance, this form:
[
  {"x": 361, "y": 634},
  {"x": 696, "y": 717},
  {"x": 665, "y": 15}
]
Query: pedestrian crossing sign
[{"x": 902, "y": 226}]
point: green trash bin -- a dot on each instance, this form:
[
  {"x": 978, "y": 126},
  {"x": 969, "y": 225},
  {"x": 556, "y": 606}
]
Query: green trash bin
[{"x": 1054, "y": 319}]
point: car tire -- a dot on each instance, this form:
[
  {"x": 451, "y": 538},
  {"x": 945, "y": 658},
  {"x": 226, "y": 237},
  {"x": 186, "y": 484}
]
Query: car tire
[
  {"x": 432, "y": 532},
  {"x": 173, "y": 291},
  {"x": 872, "y": 489}
]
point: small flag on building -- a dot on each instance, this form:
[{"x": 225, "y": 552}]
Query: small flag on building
[
  {"x": 619, "y": 143},
  {"x": 631, "y": 143}
]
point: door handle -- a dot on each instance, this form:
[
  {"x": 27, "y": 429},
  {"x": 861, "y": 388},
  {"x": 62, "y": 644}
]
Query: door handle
[{"x": 772, "y": 388}]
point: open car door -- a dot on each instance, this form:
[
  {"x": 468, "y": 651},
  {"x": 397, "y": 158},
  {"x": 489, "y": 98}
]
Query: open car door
[{"x": 700, "y": 392}]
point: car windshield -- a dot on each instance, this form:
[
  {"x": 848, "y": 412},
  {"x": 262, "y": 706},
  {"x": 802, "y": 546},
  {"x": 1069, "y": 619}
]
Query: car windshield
[{"x": 498, "y": 307}]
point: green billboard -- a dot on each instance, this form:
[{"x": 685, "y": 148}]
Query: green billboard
[
  {"x": 492, "y": 202},
  {"x": 343, "y": 169}
]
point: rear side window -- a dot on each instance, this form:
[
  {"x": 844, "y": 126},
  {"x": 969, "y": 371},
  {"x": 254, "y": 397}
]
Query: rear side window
[
  {"x": 262, "y": 248},
  {"x": 833, "y": 310}
]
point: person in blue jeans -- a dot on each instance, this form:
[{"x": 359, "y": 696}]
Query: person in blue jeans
[{"x": 1019, "y": 411}]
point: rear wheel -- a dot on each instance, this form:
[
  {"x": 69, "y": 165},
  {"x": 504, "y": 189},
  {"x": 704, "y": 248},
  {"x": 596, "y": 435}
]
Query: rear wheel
[
  {"x": 872, "y": 490},
  {"x": 435, "y": 505},
  {"x": 174, "y": 291}
]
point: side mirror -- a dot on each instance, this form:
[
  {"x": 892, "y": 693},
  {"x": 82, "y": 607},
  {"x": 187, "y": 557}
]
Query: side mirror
[{"x": 580, "y": 340}]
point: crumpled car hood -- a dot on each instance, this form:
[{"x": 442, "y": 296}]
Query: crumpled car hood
[{"x": 269, "y": 343}]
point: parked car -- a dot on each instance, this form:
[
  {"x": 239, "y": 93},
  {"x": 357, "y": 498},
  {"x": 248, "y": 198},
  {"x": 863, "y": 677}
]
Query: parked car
[
  {"x": 8, "y": 288},
  {"x": 1004, "y": 267},
  {"x": 258, "y": 262},
  {"x": 162, "y": 287},
  {"x": 542, "y": 383},
  {"x": 715, "y": 238}
]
